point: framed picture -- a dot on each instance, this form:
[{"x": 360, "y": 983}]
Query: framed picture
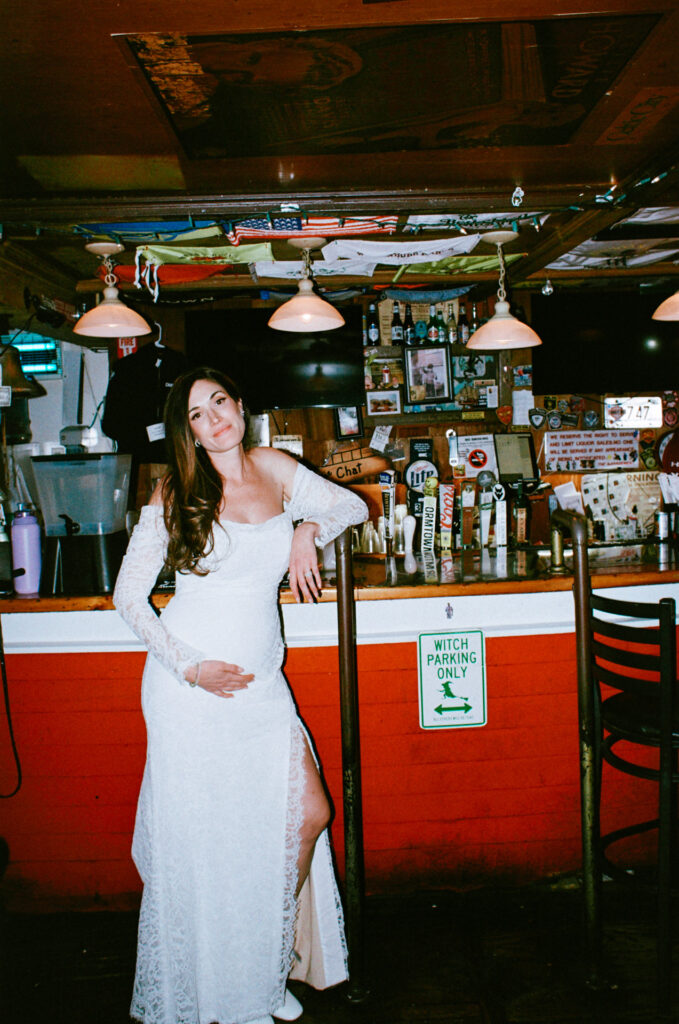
[
  {"x": 383, "y": 403},
  {"x": 427, "y": 375},
  {"x": 474, "y": 378},
  {"x": 348, "y": 422}
]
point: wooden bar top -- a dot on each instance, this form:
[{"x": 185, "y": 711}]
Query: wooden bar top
[{"x": 464, "y": 574}]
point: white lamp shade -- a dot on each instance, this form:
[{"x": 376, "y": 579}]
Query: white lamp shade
[
  {"x": 306, "y": 311},
  {"x": 503, "y": 331},
  {"x": 669, "y": 309},
  {"x": 111, "y": 318}
]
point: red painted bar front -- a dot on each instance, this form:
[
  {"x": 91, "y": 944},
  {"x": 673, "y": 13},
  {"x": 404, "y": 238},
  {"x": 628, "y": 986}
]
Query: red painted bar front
[{"x": 442, "y": 808}]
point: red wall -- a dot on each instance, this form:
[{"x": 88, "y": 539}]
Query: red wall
[{"x": 441, "y": 807}]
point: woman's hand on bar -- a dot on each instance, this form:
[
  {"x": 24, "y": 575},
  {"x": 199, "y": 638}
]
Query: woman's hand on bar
[{"x": 305, "y": 576}]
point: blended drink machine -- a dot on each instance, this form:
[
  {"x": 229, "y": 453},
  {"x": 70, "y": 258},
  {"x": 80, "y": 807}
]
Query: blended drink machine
[{"x": 83, "y": 499}]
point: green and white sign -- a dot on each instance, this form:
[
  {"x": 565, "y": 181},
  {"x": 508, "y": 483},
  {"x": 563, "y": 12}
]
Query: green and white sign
[{"x": 452, "y": 676}]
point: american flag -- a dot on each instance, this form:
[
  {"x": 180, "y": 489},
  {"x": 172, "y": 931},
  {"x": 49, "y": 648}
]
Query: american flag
[{"x": 300, "y": 227}]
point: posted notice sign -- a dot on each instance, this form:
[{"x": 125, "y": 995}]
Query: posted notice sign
[{"x": 452, "y": 676}]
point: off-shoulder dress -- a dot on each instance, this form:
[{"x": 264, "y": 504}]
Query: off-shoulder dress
[{"x": 216, "y": 836}]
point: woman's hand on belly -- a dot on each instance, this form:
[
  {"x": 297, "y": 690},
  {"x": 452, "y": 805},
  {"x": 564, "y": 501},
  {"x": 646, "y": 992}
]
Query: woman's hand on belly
[{"x": 218, "y": 677}]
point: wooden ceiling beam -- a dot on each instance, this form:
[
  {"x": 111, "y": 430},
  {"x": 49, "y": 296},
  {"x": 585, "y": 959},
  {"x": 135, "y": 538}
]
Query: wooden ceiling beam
[
  {"x": 21, "y": 270},
  {"x": 382, "y": 279},
  {"x": 68, "y": 210}
]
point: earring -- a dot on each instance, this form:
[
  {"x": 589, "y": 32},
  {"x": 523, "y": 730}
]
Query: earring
[{"x": 197, "y": 444}]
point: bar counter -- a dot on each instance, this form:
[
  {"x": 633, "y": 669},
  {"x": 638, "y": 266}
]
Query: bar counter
[
  {"x": 377, "y": 578},
  {"x": 442, "y": 807}
]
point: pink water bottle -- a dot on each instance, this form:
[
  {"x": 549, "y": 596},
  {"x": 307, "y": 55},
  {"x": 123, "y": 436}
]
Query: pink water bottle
[{"x": 26, "y": 551}]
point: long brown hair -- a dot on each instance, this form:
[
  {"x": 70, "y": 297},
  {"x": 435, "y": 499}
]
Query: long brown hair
[{"x": 192, "y": 488}]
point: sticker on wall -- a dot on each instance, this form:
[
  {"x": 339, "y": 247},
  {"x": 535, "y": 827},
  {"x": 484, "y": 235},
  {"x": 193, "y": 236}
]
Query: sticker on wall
[
  {"x": 670, "y": 399},
  {"x": 452, "y": 679}
]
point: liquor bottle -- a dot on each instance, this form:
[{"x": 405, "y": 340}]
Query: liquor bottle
[
  {"x": 396, "y": 326},
  {"x": 373, "y": 325},
  {"x": 409, "y": 327},
  {"x": 364, "y": 329},
  {"x": 421, "y": 332},
  {"x": 441, "y": 325},
  {"x": 432, "y": 326},
  {"x": 520, "y": 516},
  {"x": 462, "y": 325},
  {"x": 451, "y": 325},
  {"x": 474, "y": 325}
]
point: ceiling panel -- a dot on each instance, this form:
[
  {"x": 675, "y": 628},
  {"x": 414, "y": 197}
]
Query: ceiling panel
[{"x": 218, "y": 112}]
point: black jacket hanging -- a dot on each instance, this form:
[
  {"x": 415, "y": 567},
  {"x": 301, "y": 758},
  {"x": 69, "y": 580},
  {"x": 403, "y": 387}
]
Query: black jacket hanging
[{"x": 135, "y": 400}]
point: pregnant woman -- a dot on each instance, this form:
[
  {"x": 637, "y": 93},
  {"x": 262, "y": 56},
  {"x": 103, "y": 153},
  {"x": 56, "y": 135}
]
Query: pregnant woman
[{"x": 230, "y": 837}]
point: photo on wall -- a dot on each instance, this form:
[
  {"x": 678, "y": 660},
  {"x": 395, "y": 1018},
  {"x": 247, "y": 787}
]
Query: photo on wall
[
  {"x": 348, "y": 422},
  {"x": 473, "y": 375},
  {"x": 427, "y": 375}
]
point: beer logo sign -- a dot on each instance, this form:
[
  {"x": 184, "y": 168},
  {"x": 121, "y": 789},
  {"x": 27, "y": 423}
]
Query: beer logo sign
[{"x": 417, "y": 472}]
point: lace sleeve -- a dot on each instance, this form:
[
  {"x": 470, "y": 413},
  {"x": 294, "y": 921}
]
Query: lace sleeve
[
  {"x": 143, "y": 561},
  {"x": 318, "y": 500}
]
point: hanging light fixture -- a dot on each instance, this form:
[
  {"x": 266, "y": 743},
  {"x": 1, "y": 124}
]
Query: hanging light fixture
[
  {"x": 110, "y": 318},
  {"x": 306, "y": 311},
  {"x": 669, "y": 309},
  {"x": 502, "y": 331}
]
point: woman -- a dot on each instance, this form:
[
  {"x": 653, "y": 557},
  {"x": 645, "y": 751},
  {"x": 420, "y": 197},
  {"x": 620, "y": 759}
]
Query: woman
[{"x": 232, "y": 812}]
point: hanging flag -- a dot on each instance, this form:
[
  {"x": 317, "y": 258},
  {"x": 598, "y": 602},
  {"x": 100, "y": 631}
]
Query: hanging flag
[
  {"x": 400, "y": 253},
  {"x": 155, "y": 256},
  {"x": 472, "y": 221},
  {"x": 306, "y": 227},
  {"x": 292, "y": 269},
  {"x": 153, "y": 231},
  {"x": 617, "y": 253}
]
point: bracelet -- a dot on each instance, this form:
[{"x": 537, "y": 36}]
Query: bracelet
[{"x": 195, "y": 681}]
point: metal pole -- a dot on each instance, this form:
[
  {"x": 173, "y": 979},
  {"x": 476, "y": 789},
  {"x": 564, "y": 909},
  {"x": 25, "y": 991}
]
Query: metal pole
[
  {"x": 589, "y": 783},
  {"x": 351, "y": 769}
]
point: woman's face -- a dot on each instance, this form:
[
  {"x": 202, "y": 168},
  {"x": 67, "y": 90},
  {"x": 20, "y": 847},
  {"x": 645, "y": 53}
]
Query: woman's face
[{"x": 216, "y": 420}]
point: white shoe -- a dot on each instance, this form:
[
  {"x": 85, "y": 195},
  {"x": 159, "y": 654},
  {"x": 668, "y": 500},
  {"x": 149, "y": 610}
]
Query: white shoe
[{"x": 291, "y": 1008}]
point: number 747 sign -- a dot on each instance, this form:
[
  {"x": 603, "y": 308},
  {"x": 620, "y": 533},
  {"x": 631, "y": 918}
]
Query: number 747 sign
[{"x": 452, "y": 679}]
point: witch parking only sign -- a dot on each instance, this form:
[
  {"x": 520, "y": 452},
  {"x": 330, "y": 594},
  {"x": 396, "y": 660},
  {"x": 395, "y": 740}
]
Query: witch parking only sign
[{"x": 452, "y": 679}]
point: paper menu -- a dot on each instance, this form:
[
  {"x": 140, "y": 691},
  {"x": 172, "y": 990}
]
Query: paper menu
[{"x": 522, "y": 402}]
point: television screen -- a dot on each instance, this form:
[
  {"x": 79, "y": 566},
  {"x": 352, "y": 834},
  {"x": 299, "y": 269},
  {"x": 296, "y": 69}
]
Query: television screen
[
  {"x": 602, "y": 343},
  {"x": 280, "y": 369}
]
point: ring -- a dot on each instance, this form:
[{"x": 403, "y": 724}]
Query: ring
[{"x": 308, "y": 574}]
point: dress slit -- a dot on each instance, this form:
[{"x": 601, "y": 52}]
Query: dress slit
[{"x": 293, "y": 827}]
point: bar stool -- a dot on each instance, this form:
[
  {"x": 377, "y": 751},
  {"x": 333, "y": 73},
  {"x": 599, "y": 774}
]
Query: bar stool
[{"x": 633, "y": 676}]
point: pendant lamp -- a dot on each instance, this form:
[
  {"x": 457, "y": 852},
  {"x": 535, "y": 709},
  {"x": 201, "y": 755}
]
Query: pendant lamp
[
  {"x": 502, "y": 331},
  {"x": 669, "y": 309},
  {"x": 110, "y": 318},
  {"x": 306, "y": 311}
]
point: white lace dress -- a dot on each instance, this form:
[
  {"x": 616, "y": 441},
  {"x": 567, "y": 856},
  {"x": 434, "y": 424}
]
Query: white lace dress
[{"x": 217, "y": 832}]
